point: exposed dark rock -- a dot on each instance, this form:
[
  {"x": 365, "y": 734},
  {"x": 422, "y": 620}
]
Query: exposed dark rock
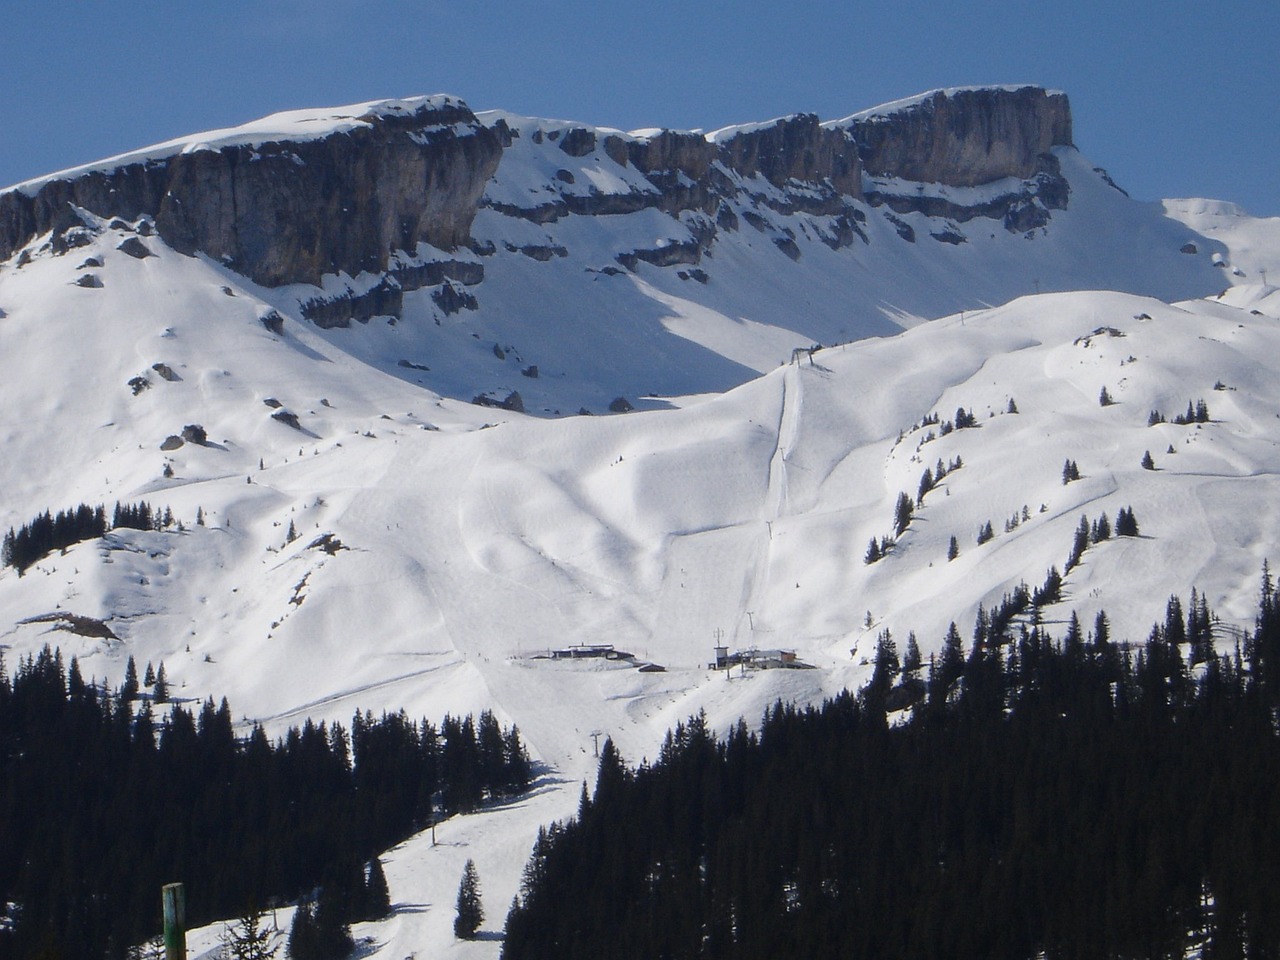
[
  {"x": 273, "y": 322},
  {"x": 726, "y": 219},
  {"x": 287, "y": 418},
  {"x": 138, "y": 384},
  {"x": 1190, "y": 248},
  {"x": 499, "y": 352},
  {"x": 328, "y": 543},
  {"x": 788, "y": 246},
  {"x": 965, "y": 138},
  {"x": 564, "y": 176},
  {"x": 451, "y": 299},
  {"x": 166, "y": 372},
  {"x": 950, "y": 236},
  {"x": 531, "y": 371},
  {"x": 414, "y": 366},
  {"x": 171, "y": 442},
  {"x": 615, "y": 149},
  {"x": 135, "y": 248},
  {"x": 796, "y": 148},
  {"x": 685, "y": 251},
  {"x": 75, "y": 623},
  {"x": 91, "y": 262},
  {"x": 195, "y": 433},
  {"x": 293, "y": 211},
  {"x": 620, "y": 405},
  {"x": 70, "y": 239},
  {"x": 273, "y": 403},
  {"x": 513, "y": 402},
  {"x": 90, "y": 280},
  {"x": 539, "y": 252},
  {"x": 578, "y": 142},
  {"x": 905, "y": 230},
  {"x": 697, "y": 273}
]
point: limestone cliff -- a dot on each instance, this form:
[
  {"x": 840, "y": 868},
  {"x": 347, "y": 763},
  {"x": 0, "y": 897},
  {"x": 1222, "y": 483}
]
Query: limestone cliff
[
  {"x": 289, "y": 210},
  {"x": 298, "y": 198},
  {"x": 963, "y": 138}
]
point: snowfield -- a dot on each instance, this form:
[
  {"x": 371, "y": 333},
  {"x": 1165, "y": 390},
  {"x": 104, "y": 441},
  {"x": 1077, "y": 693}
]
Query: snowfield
[{"x": 442, "y": 546}]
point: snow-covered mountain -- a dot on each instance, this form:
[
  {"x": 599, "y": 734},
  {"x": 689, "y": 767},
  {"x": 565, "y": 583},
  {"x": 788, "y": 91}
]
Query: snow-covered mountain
[{"x": 442, "y": 544}]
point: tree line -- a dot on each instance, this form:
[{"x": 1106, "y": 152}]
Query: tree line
[
  {"x": 49, "y": 532},
  {"x": 1024, "y": 797},
  {"x": 103, "y": 801}
]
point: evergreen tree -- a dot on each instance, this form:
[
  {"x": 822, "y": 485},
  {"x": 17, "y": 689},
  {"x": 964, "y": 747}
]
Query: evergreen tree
[
  {"x": 470, "y": 912},
  {"x": 149, "y": 676},
  {"x": 1147, "y": 462},
  {"x": 873, "y": 552},
  {"x": 160, "y": 689},
  {"x": 985, "y": 533},
  {"x": 1104, "y": 398},
  {"x": 247, "y": 939},
  {"x": 1013, "y": 407},
  {"x": 129, "y": 691},
  {"x": 953, "y": 548},
  {"x": 1101, "y": 529},
  {"x": 377, "y": 894},
  {"x": 902, "y": 514}
]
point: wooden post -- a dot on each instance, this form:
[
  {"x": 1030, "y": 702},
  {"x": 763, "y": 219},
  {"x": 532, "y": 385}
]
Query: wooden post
[{"x": 175, "y": 921}]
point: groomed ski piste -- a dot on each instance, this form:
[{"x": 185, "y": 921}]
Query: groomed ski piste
[{"x": 736, "y": 510}]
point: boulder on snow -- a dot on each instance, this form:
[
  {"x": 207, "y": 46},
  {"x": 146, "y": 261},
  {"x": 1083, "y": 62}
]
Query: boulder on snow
[
  {"x": 166, "y": 372},
  {"x": 90, "y": 280},
  {"x": 194, "y": 433},
  {"x": 287, "y": 418},
  {"x": 620, "y": 405},
  {"x": 135, "y": 248},
  {"x": 273, "y": 322},
  {"x": 1190, "y": 248},
  {"x": 171, "y": 442}
]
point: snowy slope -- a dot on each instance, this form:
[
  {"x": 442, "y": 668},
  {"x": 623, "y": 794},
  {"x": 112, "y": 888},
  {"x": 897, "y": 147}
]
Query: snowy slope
[
  {"x": 739, "y": 506},
  {"x": 471, "y": 549}
]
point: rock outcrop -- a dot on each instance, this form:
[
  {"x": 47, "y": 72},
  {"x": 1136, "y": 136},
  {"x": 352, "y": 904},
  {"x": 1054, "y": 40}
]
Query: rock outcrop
[
  {"x": 289, "y": 211},
  {"x": 359, "y": 196},
  {"x": 963, "y": 138}
]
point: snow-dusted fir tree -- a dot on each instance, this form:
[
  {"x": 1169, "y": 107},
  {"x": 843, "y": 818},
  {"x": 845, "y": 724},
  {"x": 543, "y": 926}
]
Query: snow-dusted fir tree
[{"x": 470, "y": 911}]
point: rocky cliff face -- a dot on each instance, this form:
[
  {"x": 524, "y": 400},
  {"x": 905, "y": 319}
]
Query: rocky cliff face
[
  {"x": 362, "y": 197},
  {"x": 290, "y": 211},
  {"x": 963, "y": 138}
]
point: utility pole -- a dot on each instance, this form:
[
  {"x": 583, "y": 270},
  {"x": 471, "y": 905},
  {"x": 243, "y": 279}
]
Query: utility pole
[{"x": 174, "y": 900}]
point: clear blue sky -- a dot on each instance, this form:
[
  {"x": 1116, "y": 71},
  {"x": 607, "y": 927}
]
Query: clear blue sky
[{"x": 1174, "y": 98}]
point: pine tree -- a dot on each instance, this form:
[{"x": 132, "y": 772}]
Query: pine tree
[
  {"x": 377, "y": 894},
  {"x": 160, "y": 689},
  {"x": 1104, "y": 398},
  {"x": 129, "y": 692},
  {"x": 1147, "y": 462},
  {"x": 470, "y": 911},
  {"x": 985, "y": 533},
  {"x": 873, "y": 552},
  {"x": 149, "y": 675},
  {"x": 953, "y": 548},
  {"x": 199, "y": 516},
  {"x": 902, "y": 514},
  {"x": 1013, "y": 407},
  {"x": 248, "y": 939}
]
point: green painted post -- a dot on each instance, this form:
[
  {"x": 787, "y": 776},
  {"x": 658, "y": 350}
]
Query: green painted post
[{"x": 175, "y": 921}]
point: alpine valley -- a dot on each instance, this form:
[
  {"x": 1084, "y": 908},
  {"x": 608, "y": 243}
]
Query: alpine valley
[{"x": 487, "y": 412}]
